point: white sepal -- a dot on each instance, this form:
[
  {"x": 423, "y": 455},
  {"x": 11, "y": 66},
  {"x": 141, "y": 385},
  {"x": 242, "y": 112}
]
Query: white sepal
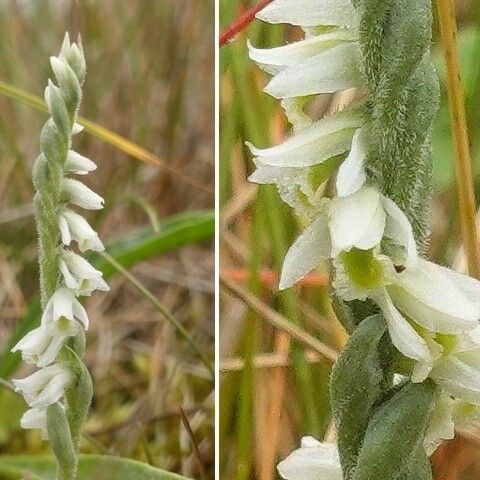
[
  {"x": 274, "y": 60},
  {"x": 313, "y": 461},
  {"x": 79, "y": 194},
  {"x": 330, "y": 136},
  {"x": 429, "y": 296},
  {"x": 79, "y": 275},
  {"x": 310, "y": 248},
  {"x": 351, "y": 175},
  {"x": 40, "y": 346},
  {"x": 460, "y": 376},
  {"x": 405, "y": 338},
  {"x": 45, "y": 386},
  {"x": 333, "y": 70},
  {"x": 78, "y": 164},
  {"x": 399, "y": 229},
  {"x": 310, "y": 13},
  {"x": 74, "y": 227},
  {"x": 34, "y": 418}
]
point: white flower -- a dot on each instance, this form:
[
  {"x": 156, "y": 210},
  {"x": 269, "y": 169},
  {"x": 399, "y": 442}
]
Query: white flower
[
  {"x": 310, "y": 13},
  {"x": 351, "y": 174},
  {"x": 74, "y": 227},
  {"x": 449, "y": 413},
  {"x": 313, "y": 461},
  {"x": 79, "y": 275},
  {"x": 39, "y": 346},
  {"x": 45, "y": 386},
  {"x": 78, "y": 164},
  {"x": 34, "y": 418},
  {"x": 330, "y": 136},
  {"x": 61, "y": 319},
  {"x": 64, "y": 306},
  {"x": 79, "y": 194},
  {"x": 357, "y": 222}
]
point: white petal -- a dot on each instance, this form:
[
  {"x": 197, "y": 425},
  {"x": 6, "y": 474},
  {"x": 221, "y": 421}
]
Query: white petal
[
  {"x": 64, "y": 230},
  {"x": 82, "y": 232},
  {"x": 78, "y": 164},
  {"x": 70, "y": 280},
  {"x": 306, "y": 253},
  {"x": 310, "y": 13},
  {"x": 52, "y": 392},
  {"x": 51, "y": 352},
  {"x": 403, "y": 335},
  {"x": 398, "y": 228},
  {"x": 441, "y": 425},
  {"x": 77, "y": 128},
  {"x": 33, "y": 340},
  {"x": 274, "y": 60},
  {"x": 62, "y": 303},
  {"x": 80, "y": 313},
  {"x": 469, "y": 286},
  {"x": 37, "y": 380},
  {"x": 79, "y": 194},
  {"x": 459, "y": 379},
  {"x": 34, "y": 418},
  {"x": 317, "y": 461},
  {"x": 331, "y": 71},
  {"x": 79, "y": 266},
  {"x": 357, "y": 220},
  {"x": 351, "y": 174},
  {"x": 428, "y": 296},
  {"x": 330, "y": 136},
  {"x": 293, "y": 185}
]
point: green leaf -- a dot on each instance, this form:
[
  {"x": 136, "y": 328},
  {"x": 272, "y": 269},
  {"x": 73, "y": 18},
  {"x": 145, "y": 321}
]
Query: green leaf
[
  {"x": 175, "y": 232},
  {"x": 96, "y": 467},
  {"x": 183, "y": 229},
  {"x": 356, "y": 385},
  {"x": 395, "y": 436}
]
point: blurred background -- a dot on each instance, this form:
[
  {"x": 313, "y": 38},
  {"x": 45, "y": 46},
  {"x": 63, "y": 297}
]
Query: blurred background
[
  {"x": 274, "y": 388},
  {"x": 149, "y": 80}
]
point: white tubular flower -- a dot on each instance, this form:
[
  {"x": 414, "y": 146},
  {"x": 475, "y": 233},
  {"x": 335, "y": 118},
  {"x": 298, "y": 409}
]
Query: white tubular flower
[
  {"x": 79, "y": 194},
  {"x": 79, "y": 275},
  {"x": 337, "y": 228},
  {"x": 63, "y": 307},
  {"x": 39, "y": 346},
  {"x": 62, "y": 318},
  {"x": 34, "y": 418},
  {"x": 313, "y": 461},
  {"x": 74, "y": 227},
  {"x": 351, "y": 174},
  {"x": 78, "y": 164},
  {"x": 310, "y": 13},
  {"x": 323, "y": 62},
  {"x": 294, "y": 186},
  {"x": 326, "y": 138},
  {"x": 45, "y": 386},
  {"x": 449, "y": 413}
]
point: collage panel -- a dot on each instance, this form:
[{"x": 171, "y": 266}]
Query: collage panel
[
  {"x": 349, "y": 252},
  {"x": 107, "y": 240}
]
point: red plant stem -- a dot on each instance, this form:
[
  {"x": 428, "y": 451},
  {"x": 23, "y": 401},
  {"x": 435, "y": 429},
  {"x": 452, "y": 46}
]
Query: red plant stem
[{"x": 242, "y": 22}]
